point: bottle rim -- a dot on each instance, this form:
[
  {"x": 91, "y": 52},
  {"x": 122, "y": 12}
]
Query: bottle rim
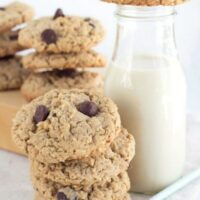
[{"x": 145, "y": 12}]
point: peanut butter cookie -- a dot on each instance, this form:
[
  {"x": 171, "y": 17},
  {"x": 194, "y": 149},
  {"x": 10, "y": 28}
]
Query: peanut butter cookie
[
  {"x": 38, "y": 84},
  {"x": 61, "y": 33},
  {"x": 66, "y": 124},
  {"x": 102, "y": 168}
]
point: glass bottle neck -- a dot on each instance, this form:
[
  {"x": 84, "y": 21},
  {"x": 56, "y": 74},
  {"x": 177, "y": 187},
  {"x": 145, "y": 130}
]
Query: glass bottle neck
[
  {"x": 144, "y": 31},
  {"x": 145, "y": 12}
]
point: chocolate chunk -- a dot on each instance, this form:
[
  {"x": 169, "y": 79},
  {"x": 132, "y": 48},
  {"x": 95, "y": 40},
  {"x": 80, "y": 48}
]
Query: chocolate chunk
[
  {"x": 14, "y": 35},
  {"x": 88, "y": 108},
  {"x": 61, "y": 196},
  {"x": 41, "y": 114},
  {"x": 49, "y": 36},
  {"x": 2, "y": 8},
  {"x": 58, "y": 13},
  {"x": 67, "y": 73}
]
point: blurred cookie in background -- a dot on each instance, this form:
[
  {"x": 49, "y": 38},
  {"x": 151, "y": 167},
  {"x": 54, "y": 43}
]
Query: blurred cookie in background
[
  {"x": 14, "y": 14},
  {"x": 11, "y": 73},
  {"x": 38, "y": 84}
]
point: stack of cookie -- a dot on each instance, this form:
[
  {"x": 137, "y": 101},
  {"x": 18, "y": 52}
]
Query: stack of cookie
[
  {"x": 63, "y": 50},
  {"x": 77, "y": 147},
  {"x": 11, "y": 73}
]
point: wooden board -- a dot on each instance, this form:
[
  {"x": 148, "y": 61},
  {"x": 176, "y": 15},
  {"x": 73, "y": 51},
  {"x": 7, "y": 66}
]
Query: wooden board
[{"x": 10, "y": 102}]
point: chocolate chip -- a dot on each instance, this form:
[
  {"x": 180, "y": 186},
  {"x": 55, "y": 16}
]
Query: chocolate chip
[
  {"x": 92, "y": 25},
  {"x": 90, "y": 22},
  {"x": 61, "y": 196},
  {"x": 14, "y": 35},
  {"x": 88, "y": 19},
  {"x": 2, "y": 8},
  {"x": 67, "y": 73},
  {"x": 88, "y": 108},
  {"x": 49, "y": 36},
  {"x": 6, "y": 58},
  {"x": 41, "y": 114},
  {"x": 58, "y": 13}
]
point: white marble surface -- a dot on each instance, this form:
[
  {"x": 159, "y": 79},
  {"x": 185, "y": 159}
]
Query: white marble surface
[{"x": 15, "y": 184}]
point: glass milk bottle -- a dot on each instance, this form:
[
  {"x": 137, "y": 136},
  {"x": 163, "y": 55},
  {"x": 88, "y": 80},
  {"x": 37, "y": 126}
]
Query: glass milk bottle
[{"x": 147, "y": 82}]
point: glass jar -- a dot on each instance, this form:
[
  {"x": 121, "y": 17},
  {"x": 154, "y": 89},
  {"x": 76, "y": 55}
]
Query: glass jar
[{"x": 146, "y": 80}]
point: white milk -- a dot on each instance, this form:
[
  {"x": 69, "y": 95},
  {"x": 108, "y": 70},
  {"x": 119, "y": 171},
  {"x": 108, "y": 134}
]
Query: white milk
[{"x": 151, "y": 95}]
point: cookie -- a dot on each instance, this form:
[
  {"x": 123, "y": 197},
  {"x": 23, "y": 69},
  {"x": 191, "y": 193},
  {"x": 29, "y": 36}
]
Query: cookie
[
  {"x": 14, "y": 14},
  {"x": 115, "y": 160},
  {"x": 148, "y": 2},
  {"x": 9, "y": 43},
  {"x": 64, "y": 34},
  {"x": 62, "y": 61},
  {"x": 116, "y": 189},
  {"x": 39, "y": 197},
  {"x": 11, "y": 73},
  {"x": 38, "y": 84},
  {"x": 66, "y": 124}
]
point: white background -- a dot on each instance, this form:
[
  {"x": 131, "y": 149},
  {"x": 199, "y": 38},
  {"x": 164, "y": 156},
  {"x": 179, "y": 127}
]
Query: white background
[{"x": 187, "y": 32}]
